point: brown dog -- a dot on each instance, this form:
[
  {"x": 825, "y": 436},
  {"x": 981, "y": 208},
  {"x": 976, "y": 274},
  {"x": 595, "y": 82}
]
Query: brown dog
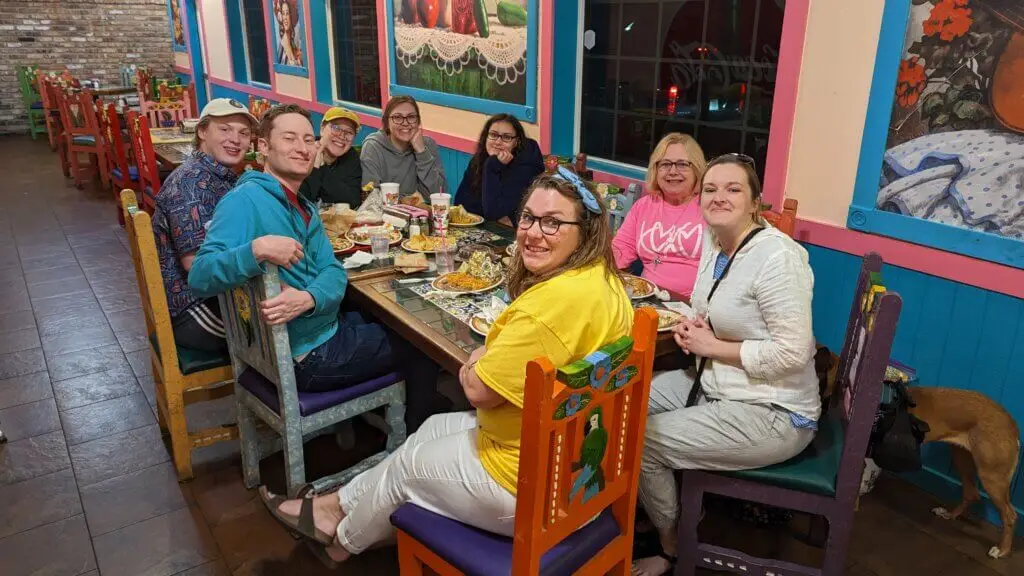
[
  {"x": 983, "y": 436},
  {"x": 985, "y": 444}
]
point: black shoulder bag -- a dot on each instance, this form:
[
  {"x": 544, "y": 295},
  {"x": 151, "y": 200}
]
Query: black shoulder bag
[{"x": 692, "y": 398}]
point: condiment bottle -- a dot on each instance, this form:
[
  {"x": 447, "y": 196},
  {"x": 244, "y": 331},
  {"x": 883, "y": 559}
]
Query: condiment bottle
[{"x": 414, "y": 227}]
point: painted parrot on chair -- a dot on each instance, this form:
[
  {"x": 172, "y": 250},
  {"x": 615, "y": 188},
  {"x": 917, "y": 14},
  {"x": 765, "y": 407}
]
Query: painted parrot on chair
[{"x": 591, "y": 476}]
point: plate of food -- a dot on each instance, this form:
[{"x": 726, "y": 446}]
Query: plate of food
[
  {"x": 460, "y": 218},
  {"x": 480, "y": 324},
  {"x": 341, "y": 244},
  {"x": 667, "y": 319},
  {"x": 361, "y": 236},
  {"x": 477, "y": 275},
  {"x": 638, "y": 288},
  {"x": 427, "y": 244}
]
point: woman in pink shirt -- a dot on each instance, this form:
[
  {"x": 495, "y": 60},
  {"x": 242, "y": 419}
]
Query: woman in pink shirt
[{"x": 664, "y": 229}]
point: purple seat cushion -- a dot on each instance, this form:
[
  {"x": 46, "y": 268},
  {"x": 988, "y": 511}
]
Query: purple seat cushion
[
  {"x": 313, "y": 402},
  {"x": 476, "y": 552}
]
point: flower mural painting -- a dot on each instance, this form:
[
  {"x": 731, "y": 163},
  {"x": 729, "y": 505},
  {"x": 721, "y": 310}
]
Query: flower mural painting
[
  {"x": 955, "y": 149},
  {"x": 289, "y": 37}
]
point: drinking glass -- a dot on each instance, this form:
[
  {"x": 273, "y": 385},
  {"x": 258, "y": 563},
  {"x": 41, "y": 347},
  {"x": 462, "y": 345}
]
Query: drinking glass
[{"x": 379, "y": 244}]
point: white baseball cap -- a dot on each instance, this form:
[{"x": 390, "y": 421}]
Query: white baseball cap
[{"x": 220, "y": 107}]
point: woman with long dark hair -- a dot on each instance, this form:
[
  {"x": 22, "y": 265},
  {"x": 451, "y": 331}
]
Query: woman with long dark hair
[{"x": 505, "y": 164}]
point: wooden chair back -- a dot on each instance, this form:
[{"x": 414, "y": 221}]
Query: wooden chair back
[
  {"x": 28, "y": 84},
  {"x": 862, "y": 363},
  {"x": 252, "y": 342},
  {"x": 618, "y": 206},
  {"x": 78, "y": 114},
  {"x": 113, "y": 142},
  {"x": 144, "y": 84},
  {"x": 785, "y": 221},
  {"x": 585, "y": 422},
  {"x": 142, "y": 244},
  {"x": 145, "y": 159}
]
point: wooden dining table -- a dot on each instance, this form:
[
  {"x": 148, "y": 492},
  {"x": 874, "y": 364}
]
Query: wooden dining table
[
  {"x": 437, "y": 323},
  {"x": 172, "y": 154}
]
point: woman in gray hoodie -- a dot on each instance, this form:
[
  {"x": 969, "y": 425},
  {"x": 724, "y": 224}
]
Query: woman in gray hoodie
[{"x": 400, "y": 152}]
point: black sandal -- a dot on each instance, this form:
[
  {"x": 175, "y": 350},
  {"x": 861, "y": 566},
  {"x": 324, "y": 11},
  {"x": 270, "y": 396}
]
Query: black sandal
[{"x": 302, "y": 524}]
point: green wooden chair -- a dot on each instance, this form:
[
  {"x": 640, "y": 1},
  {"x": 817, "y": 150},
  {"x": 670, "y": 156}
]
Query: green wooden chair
[{"x": 32, "y": 100}]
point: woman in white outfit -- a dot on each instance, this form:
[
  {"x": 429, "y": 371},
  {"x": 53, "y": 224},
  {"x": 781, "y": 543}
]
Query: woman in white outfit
[{"x": 758, "y": 400}]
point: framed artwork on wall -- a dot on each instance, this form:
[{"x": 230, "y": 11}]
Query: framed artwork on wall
[
  {"x": 477, "y": 55},
  {"x": 288, "y": 28},
  {"x": 177, "y": 26},
  {"x": 942, "y": 161}
]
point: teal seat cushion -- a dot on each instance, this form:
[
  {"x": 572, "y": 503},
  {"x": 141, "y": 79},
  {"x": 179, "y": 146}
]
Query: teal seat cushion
[
  {"x": 83, "y": 140},
  {"x": 814, "y": 470},
  {"x": 191, "y": 361}
]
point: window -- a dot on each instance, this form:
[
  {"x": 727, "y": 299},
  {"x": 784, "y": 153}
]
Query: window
[
  {"x": 355, "y": 53},
  {"x": 255, "y": 35},
  {"x": 702, "y": 67}
]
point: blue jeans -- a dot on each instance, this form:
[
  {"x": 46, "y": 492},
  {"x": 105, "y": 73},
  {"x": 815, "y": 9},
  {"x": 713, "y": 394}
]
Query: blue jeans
[{"x": 360, "y": 351}]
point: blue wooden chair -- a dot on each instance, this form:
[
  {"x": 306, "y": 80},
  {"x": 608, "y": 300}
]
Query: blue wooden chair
[
  {"x": 582, "y": 436},
  {"x": 825, "y": 478},
  {"x": 261, "y": 359},
  {"x": 619, "y": 205}
]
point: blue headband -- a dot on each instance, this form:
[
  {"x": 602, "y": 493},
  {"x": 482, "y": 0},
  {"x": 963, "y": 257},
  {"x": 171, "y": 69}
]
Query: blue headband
[{"x": 589, "y": 201}]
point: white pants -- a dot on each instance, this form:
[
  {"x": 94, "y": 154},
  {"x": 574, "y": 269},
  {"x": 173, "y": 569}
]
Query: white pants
[
  {"x": 437, "y": 468},
  {"x": 720, "y": 435}
]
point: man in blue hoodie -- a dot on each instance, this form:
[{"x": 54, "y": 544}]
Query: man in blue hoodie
[{"x": 263, "y": 220}]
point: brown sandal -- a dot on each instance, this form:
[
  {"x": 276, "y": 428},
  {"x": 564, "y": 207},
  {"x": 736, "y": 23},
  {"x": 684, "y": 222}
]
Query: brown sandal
[{"x": 302, "y": 524}]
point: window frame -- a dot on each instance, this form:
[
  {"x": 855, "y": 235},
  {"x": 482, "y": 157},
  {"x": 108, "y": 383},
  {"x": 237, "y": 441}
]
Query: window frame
[
  {"x": 332, "y": 55},
  {"x": 634, "y": 171},
  {"x": 863, "y": 214},
  {"x": 238, "y": 37},
  {"x": 526, "y": 112}
]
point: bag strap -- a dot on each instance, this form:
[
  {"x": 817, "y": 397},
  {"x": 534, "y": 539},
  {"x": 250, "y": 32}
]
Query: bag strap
[{"x": 696, "y": 388}]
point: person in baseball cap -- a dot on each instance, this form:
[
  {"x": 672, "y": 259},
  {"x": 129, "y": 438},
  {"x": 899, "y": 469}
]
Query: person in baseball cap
[
  {"x": 185, "y": 205},
  {"x": 337, "y": 173}
]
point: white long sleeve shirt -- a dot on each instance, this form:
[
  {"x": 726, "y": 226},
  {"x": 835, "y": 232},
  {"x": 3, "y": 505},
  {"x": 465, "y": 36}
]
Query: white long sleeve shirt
[{"x": 764, "y": 301}]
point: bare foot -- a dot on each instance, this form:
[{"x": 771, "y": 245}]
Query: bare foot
[
  {"x": 651, "y": 566},
  {"x": 327, "y": 512}
]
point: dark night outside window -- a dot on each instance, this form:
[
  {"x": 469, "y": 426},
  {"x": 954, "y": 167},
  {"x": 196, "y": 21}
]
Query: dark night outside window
[
  {"x": 255, "y": 30},
  {"x": 702, "y": 67},
  {"x": 356, "y": 63}
]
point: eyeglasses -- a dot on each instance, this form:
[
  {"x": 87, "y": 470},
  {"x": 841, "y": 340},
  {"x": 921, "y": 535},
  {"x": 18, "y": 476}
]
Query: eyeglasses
[
  {"x": 506, "y": 138},
  {"x": 733, "y": 157},
  {"x": 410, "y": 120},
  {"x": 341, "y": 131},
  {"x": 549, "y": 225},
  {"x": 667, "y": 165}
]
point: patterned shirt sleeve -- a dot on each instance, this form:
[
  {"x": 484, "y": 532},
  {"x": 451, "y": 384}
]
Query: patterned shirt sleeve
[{"x": 187, "y": 214}]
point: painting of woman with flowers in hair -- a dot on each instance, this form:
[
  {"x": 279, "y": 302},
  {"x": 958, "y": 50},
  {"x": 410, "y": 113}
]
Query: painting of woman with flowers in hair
[
  {"x": 289, "y": 37},
  {"x": 955, "y": 150}
]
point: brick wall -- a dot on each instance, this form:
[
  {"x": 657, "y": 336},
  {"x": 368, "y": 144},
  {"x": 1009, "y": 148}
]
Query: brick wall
[{"x": 92, "y": 38}]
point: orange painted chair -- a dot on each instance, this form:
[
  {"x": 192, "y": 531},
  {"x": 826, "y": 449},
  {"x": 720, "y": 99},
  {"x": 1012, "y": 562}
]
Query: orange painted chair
[
  {"x": 181, "y": 376},
  {"x": 50, "y": 107},
  {"x": 82, "y": 135},
  {"x": 582, "y": 433},
  {"x": 785, "y": 221},
  {"x": 145, "y": 159}
]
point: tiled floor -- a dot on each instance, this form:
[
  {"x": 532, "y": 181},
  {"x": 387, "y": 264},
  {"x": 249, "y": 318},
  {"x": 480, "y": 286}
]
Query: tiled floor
[{"x": 86, "y": 486}]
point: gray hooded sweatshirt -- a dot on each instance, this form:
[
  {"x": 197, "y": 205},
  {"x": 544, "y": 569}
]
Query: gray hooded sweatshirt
[{"x": 422, "y": 173}]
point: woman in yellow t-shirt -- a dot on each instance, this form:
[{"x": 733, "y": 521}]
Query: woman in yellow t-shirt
[{"x": 568, "y": 302}]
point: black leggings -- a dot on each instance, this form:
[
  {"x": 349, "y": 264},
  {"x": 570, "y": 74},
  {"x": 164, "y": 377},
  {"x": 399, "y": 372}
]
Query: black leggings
[{"x": 200, "y": 327}]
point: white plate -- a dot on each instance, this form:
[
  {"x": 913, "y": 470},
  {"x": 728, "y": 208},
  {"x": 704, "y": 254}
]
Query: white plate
[
  {"x": 479, "y": 324},
  {"x": 477, "y": 220},
  {"x": 675, "y": 317},
  {"x": 396, "y": 237},
  {"x": 441, "y": 285},
  {"x": 452, "y": 244},
  {"x": 638, "y": 295}
]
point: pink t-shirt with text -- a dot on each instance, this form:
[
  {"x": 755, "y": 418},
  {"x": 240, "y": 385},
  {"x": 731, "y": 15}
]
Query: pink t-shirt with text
[{"x": 666, "y": 238}]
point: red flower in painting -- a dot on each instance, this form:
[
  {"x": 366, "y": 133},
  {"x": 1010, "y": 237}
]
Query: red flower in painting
[
  {"x": 949, "y": 19},
  {"x": 910, "y": 82}
]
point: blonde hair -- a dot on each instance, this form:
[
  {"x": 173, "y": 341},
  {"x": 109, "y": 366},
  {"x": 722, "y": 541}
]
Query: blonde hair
[
  {"x": 595, "y": 245},
  {"x": 693, "y": 151}
]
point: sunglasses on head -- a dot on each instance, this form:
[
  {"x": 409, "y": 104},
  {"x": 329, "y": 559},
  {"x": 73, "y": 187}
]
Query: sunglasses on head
[{"x": 733, "y": 157}]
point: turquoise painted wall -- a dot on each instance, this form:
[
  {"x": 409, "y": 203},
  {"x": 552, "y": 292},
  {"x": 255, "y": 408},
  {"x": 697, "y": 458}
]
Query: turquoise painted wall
[{"x": 953, "y": 334}]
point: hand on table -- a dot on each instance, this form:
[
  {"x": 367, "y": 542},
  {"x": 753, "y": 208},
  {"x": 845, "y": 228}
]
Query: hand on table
[{"x": 286, "y": 306}]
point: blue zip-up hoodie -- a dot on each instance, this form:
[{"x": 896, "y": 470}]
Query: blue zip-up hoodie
[{"x": 257, "y": 206}]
